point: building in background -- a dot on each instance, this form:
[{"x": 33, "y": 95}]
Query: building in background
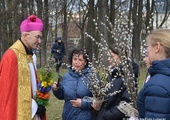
[{"x": 161, "y": 13}]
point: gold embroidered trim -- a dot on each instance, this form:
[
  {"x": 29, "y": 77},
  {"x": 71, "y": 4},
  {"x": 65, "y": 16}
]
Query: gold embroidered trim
[{"x": 24, "y": 82}]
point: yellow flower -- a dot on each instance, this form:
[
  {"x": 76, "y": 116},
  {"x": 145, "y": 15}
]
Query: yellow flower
[
  {"x": 50, "y": 82},
  {"x": 44, "y": 84}
]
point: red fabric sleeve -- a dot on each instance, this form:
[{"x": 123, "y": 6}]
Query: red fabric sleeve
[
  {"x": 8, "y": 86},
  {"x": 43, "y": 117}
]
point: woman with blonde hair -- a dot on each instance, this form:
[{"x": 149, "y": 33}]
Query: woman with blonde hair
[{"x": 154, "y": 98}]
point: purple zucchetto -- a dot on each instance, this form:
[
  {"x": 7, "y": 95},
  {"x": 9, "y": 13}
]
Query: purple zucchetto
[{"x": 32, "y": 23}]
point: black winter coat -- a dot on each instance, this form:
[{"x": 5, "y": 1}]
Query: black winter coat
[
  {"x": 109, "y": 110},
  {"x": 60, "y": 47}
]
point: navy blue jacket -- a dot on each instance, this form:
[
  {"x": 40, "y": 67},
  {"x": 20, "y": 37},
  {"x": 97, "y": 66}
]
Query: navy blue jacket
[
  {"x": 109, "y": 110},
  {"x": 71, "y": 88},
  {"x": 154, "y": 98},
  {"x": 58, "y": 46}
]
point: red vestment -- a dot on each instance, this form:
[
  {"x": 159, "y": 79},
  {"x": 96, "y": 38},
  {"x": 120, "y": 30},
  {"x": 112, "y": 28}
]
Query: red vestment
[{"x": 15, "y": 84}]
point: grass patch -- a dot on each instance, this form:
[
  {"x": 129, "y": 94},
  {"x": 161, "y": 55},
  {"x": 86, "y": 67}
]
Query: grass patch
[
  {"x": 54, "y": 109},
  {"x": 55, "y": 106},
  {"x": 142, "y": 77}
]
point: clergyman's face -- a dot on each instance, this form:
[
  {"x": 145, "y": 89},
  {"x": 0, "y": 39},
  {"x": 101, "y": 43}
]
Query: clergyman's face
[{"x": 33, "y": 39}]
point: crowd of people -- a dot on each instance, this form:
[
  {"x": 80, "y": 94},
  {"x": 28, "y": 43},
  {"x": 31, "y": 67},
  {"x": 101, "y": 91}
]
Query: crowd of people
[{"x": 18, "y": 80}]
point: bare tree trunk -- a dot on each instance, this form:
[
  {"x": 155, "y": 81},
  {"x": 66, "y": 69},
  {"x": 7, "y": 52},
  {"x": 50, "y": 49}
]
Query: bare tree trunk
[
  {"x": 112, "y": 19},
  {"x": 16, "y": 16},
  {"x": 65, "y": 27},
  {"x": 40, "y": 14},
  {"x": 31, "y": 6},
  {"x": 140, "y": 23},
  {"x": 24, "y": 9},
  {"x": 103, "y": 12},
  {"x": 90, "y": 29},
  {"x": 45, "y": 33},
  {"x": 137, "y": 21},
  {"x": 56, "y": 25},
  {"x": 4, "y": 39},
  {"x": 112, "y": 11},
  {"x": 151, "y": 15}
]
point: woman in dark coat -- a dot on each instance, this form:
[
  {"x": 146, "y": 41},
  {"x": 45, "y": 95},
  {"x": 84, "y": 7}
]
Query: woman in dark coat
[
  {"x": 109, "y": 110},
  {"x": 72, "y": 89}
]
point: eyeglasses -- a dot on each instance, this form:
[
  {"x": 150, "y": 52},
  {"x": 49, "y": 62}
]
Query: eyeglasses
[{"x": 38, "y": 37}]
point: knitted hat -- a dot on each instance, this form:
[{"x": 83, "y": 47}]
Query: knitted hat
[{"x": 32, "y": 23}]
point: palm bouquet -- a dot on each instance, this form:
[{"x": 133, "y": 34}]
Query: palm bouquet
[
  {"x": 97, "y": 84},
  {"x": 122, "y": 36},
  {"x": 44, "y": 86}
]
